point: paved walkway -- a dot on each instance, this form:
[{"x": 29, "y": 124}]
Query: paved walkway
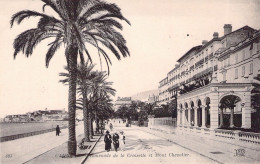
[
  {"x": 24, "y": 149},
  {"x": 221, "y": 152},
  {"x": 142, "y": 147}
]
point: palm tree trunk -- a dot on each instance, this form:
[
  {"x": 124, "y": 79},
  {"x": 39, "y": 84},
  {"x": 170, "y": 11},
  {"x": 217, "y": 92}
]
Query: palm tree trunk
[
  {"x": 86, "y": 118},
  {"x": 97, "y": 122},
  {"x": 89, "y": 126},
  {"x": 71, "y": 52}
]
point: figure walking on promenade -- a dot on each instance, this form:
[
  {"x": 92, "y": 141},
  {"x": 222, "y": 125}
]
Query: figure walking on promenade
[
  {"x": 58, "y": 130},
  {"x": 111, "y": 127},
  {"x": 122, "y": 141},
  {"x": 108, "y": 141},
  {"x": 116, "y": 141}
]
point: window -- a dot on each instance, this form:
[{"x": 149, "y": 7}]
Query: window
[
  {"x": 236, "y": 73},
  {"x": 243, "y": 55},
  {"x": 225, "y": 62},
  {"x": 224, "y": 76},
  {"x": 251, "y": 53},
  {"x": 243, "y": 71},
  {"x": 236, "y": 57},
  {"x": 251, "y": 68}
]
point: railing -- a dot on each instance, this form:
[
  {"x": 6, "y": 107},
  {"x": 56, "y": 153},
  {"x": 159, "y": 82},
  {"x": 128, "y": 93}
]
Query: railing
[
  {"x": 225, "y": 133},
  {"x": 23, "y": 135},
  {"x": 249, "y": 137},
  {"x": 199, "y": 63}
]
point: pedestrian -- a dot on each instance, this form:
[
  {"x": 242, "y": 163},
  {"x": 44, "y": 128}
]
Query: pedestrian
[
  {"x": 58, "y": 130},
  {"x": 122, "y": 141},
  {"x": 111, "y": 127},
  {"x": 102, "y": 128},
  {"x": 108, "y": 141},
  {"x": 116, "y": 141}
]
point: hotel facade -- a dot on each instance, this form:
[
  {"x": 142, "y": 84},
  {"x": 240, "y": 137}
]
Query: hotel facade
[{"x": 215, "y": 84}]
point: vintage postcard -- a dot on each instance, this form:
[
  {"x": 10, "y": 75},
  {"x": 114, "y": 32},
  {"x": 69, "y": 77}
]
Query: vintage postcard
[{"x": 129, "y": 81}]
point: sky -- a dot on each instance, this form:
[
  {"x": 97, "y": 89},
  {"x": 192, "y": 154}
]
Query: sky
[{"x": 161, "y": 32}]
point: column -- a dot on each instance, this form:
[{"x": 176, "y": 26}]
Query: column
[
  {"x": 183, "y": 117},
  {"x": 246, "y": 112},
  {"x": 189, "y": 120},
  {"x": 203, "y": 116},
  {"x": 178, "y": 117},
  {"x": 214, "y": 105},
  {"x": 221, "y": 117},
  {"x": 195, "y": 116},
  {"x": 186, "y": 118},
  {"x": 232, "y": 116}
]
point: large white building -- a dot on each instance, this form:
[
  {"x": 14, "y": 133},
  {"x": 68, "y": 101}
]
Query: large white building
[
  {"x": 214, "y": 83},
  {"x": 122, "y": 101}
]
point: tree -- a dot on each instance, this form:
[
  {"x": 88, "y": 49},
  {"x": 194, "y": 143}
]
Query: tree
[
  {"x": 101, "y": 90},
  {"x": 125, "y": 112},
  {"x": 162, "y": 111},
  {"x": 79, "y": 22},
  {"x": 85, "y": 79}
]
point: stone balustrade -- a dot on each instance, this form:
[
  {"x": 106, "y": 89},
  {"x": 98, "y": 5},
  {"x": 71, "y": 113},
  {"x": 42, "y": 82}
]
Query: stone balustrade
[
  {"x": 249, "y": 137},
  {"x": 225, "y": 133}
]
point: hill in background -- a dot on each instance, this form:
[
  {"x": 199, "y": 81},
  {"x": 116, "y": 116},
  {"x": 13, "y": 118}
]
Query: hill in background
[{"x": 143, "y": 96}]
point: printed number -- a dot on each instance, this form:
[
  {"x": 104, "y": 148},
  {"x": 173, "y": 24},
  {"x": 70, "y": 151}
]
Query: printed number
[
  {"x": 240, "y": 152},
  {"x": 8, "y": 156}
]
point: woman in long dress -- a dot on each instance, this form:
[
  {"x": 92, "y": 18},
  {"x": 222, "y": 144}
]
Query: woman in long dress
[
  {"x": 108, "y": 141},
  {"x": 116, "y": 141},
  {"x": 122, "y": 141}
]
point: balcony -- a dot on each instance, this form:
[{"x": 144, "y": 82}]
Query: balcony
[
  {"x": 199, "y": 80},
  {"x": 203, "y": 73},
  {"x": 199, "y": 63},
  {"x": 211, "y": 56}
]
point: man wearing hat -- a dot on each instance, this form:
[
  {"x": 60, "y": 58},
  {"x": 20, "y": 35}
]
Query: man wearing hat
[{"x": 108, "y": 141}]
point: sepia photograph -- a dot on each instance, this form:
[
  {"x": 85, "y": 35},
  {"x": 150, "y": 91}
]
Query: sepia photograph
[{"x": 129, "y": 81}]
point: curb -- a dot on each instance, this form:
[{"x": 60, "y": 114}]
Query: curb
[{"x": 84, "y": 160}]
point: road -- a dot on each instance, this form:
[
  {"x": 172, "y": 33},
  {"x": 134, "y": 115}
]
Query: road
[
  {"x": 24, "y": 149},
  {"x": 143, "y": 147}
]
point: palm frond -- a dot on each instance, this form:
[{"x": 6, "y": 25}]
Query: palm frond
[
  {"x": 102, "y": 7},
  {"x": 21, "y": 15},
  {"x": 54, "y": 7},
  {"x": 54, "y": 46}
]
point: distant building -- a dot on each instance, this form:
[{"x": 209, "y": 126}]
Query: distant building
[
  {"x": 40, "y": 115},
  {"x": 122, "y": 101},
  {"x": 153, "y": 99}
]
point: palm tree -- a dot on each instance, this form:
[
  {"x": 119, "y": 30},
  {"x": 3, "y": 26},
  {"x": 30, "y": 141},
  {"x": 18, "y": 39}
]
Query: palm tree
[
  {"x": 85, "y": 78},
  {"x": 101, "y": 90},
  {"x": 78, "y": 22}
]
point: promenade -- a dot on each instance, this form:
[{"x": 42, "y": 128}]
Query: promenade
[
  {"x": 143, "y": 145},
  {"x": 25, "y": 149},
  {"x": 171, "y": 147}
]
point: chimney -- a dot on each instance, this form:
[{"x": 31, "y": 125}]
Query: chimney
[
  {"x": 204, "y": 42},
  {"x": 227, "y": 29},
  {"x": 215, "y": 35}
]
